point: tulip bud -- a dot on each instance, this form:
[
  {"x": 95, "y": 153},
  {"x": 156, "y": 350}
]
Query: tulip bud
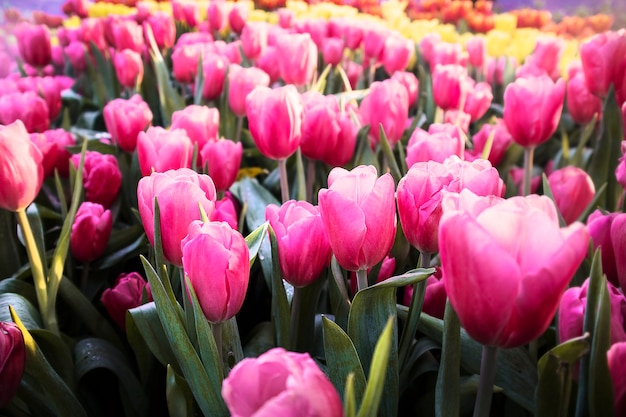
[
  {"x": 332, "y": 50},
  {"x": 500, "y": 142},
  {"x": 241, "y": 82},
  {"x": 451, "y": 85},
  {"x": 28, "y": 107},
  {"x": 129, "y": 68},
  {"x": 223, "y": 160},
  {"x": 52, "y": 144},
  {"x": 21, "y": 169},
  {"x": 214, "y": 67},
  {"x": 160, "y": 150},
  {"x": 387, "y": 104},
  {"x": 581, "y": 103},
  {"x": 616, "y": 358},
  {"x": 128, "y": 35},
  {"x": 478, "y": 100},
  {"x": 254, "y": 39},
  {"x": 163, "y": 29},
  {"x": 237, "y": 17},
  {"x": 227, "y": 210},
  {"x": 90, "y": 232},
  {"x": 217, "y": 15},
  {"x": 397, "y": 53},
  {"x": 124, "y": 119},
  {"x": 573, "y": 191},
  {"x": 410, "y": 82},
  {"x": 298, "y": 58},
  {"x": 127, "y": 293},
  {"x": 435, "y": 145},
  {"x": 12, "y": 361},
  {"x": 33, "y": 43}
]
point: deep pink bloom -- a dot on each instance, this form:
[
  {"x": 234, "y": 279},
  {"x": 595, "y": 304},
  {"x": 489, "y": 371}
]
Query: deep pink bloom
[
  {"x": 540, "y": 100},
  {"x": 179, "y": 193},
  {"x": 223, "y": 160},
  {"x": 602, "y": 58},
  {"x": 92, "y": 31},
  {"x": 477, "y": 52},
  {"x": 227, "y": 210},
  {"x": 187, "y": 12},
  {"x": 451, "y": 84},
  {"x": 185, "y": 61},
  {"x": 33, "y": 43},
  {"x": 267, "y": 62},
  {"x": 49, "y": 88},
  {"x": 128, "y": 34},
  {"x": 530, "y": 264},
  {"x": 300, "y": 235},
  {"x": 435, "y": 296},
  {"x": 386, "y": 104},
  {"x": 90, "y": 232},
  {"x": 410, "y": 82},
  {"x": 359, "y": 215},
  {"x": 446, "y": 53},
  {"x": 28, "y": 107},
  {"x": 217, "y": 262},
  {"x": 125, "y": 118},
  {"x": 21, "y": 168},
  {"x": 127, "y": 293},
  {"x": 241, "y": 81},
  {"x": 53, "y": 146},
  {"x": 217, "y": 15},
  {"x": 374, "y": 38},
  {"x": 435, "y": 145},
  {"x": 254, "y": 39},
  {"x": 238, "y": 16},
  {"x": 280, "y": 383},
  {"x": 163, "y": 29},
  {"x": 600, "y": 229},
  {"x": 616, "y": 358},
  {"x": 76, "y": 53},
  {"x": 286, "y": 17},
  {"x": 478, "y": 100},
  {"x": 102, "y": 177},
  {"x": 332, "y": 50},
  {"x": 500, "y": 142},
  {"x": 275, "y": 120},
  {"x": 321, "y": 128},
  {"x": 297, "y": 59},
  {"x": 573, "y": 191},
  {"x": 200, "y": 122},
  {"x": 214, "y": 67},
  {"x": 397, "y": 53},
  {"x": 546, "y": 55},
  {"x": 12, "y": 361},
  {"x": 581, "y": 103},
  {"x": 128, "y": 67},
  {"x": 160, "y": 150}
]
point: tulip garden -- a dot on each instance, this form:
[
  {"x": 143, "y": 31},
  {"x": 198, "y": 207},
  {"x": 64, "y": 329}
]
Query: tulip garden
[{"x": 216, "y": 208}]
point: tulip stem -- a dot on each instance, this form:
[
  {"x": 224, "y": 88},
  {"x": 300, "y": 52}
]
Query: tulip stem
[
  {"x": 361, "y": 279},
  {"x": 217, "y": 336},
  {"x": 415, "y": 310},
  {"x": 487, "y": 379},
  {"x": 296, "y": 302},
  {"x": 284, "y": 181},
  {"x": 528, "y": 168},
  {"x": 238, "y": 129},
  {"x": 310, "y": 179}
]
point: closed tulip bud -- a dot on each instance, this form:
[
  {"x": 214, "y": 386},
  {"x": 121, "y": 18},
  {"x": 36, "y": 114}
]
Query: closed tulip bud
[
  {"x": 286, "y": 18},
  {"x": 546, "y": 55},
  {"x": 288, "y": 383},
  {"x": 477, "y": 51},
  {"x": 300, "y": 235},
  {"x": 618, "y": 232},
  {"x": 267, "y": 62},
  {"x": 387, "y": 104},
  {"x": 200, "y": 122},
  {"x": 410, "y": 82},
  {"x": 359, "y": 216},
  {"x": 223, "y": 160},
  {"x": 616, "y": 358},
  {"x": 573, "y": 191},
  {"x": 128, "y": 35},
  {"x": 451, "y": 85},
  {"x": 129, "y": 68},
  {"x": 433, "y": 145},
  {"x": 90, "y": 232},
  {"x": 214, "y": 67},
  {"x": 321, "y": 129},
  {"x": 530, "y": 264},
  {"x": 501, "y": 141},
  {"x": 241, "y": 82},
  {"x": 125, "y": 118},
  {"x": 92, "y": 31},
  {"x": 427, "y": 47},
  {"x": 446, "y": 53},
  {"x": 581, "y": 103},
  {"x": 53, "y": 146},
  {"x": 374, "y": 43},
  {"x": 49, "y": 88},
  {"x": 332, "y": 50},
  {"x": 160, "y": 150},
  {"x": 179, "y": 193},
  {"x": 76, "y": 54},
  {"x": 28, "y": 107},
  {"x": 21, "y": 168},
  {"x": 163, "y": 29},
  {"x": 275, "y": 119},
  {"x": 238, "y": 16},
  {"x": 227, "y": 210},
  {"x": 354, "y": 70},
  {"x": 298, "y": 58},
  {"x": 185, "y": 62},
  {"x": 478, "y": 101},
  {"x": 397, "y": 53},
  {"x": 254, "y": 39},
  {"x": 187, "y": 12},
  {"x": 599, "y": 56},
  {"x": 346, "y": 142},
  {"x": 600, "y": 229},
  {"x": 33, "y": 43},
  {"x": 541, "y": 100},
  {"x": 102, "y": 177},
  {"x": 216, "y": 261},
  {"x": 217, "y": 15},
  {"x": 12, "y": 361},
  {"x": 128, "y": 292}
]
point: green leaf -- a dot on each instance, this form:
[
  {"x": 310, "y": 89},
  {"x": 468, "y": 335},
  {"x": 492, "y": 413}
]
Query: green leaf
[
  {"x": 389, "y": 156},
  {"x": 343, "y": 362},
  {"x": 57, "y": 353},
  {"x": 180, "y": 401},
  {"x": 255, "y": 239},
  {"x": 281, "y": 314},
  {"x": 447, "y": 393},
  {"x": 17, "y": 286},
  {"x": 377, "y": 382},
  {"x": 349, "y": 403},
  {"x": 38, "y": 232},
  {"x": 256, "y": 198},
  {"x": 27, "y": 311},
  {"x": 10, "y": 251},
  {"x": 585, "y": 134},
  {"x": 106, "y": 72},
  {"x": 338, "y": 294},
  {"x": 231, "y": 344}
]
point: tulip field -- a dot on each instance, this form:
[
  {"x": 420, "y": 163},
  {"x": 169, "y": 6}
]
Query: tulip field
[{"x": 283, "y": 208}]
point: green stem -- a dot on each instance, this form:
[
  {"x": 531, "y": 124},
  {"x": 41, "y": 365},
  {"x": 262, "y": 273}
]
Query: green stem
[
  {"x": 310, "y": 179},
  {"x": 415, "y": 310},
  {"x": 361, "y": 279},
  {"x": 84, "y": 277},
  {"x": 284, "y": 181},
  {"x": 238, "y": 129},
  {"x": 217, "y": 335},
  {"x": 296, "y": 302},
  {"x": 487, "y": 379},
  {"x": 528, "y": 168},
  {"x": 447, "y": 392}
]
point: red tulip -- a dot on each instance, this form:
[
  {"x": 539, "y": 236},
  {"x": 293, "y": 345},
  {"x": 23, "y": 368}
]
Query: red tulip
[
  {"x": 12, "y": 361},
  {"x": 102, "y": 177},
  {"x": 217, "y": 261},
  {"x": 90, "y": 232},
  {"x": 127, "y": 293},
  {"x": 160, "y": 150},
  {"x": 124, "y": 119},
  {"x": 179, "y": 193},
  {"x": 300, "y": 235},
  {"x": 387, "y": 104},
  {"x": 359, "y": 216},
  {"x": 241, "y": 82},
  {"x": 21, "y": 168},
  {"x": 280, "y": 383},
  {"x": 515, "y": 248},
  {"x": 223, "y": 160}
]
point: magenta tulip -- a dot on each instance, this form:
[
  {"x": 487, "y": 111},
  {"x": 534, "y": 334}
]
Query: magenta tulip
[
  {"x": 332, "y": 50},
  {"x": 573, "y": 191},
  {"x": 52, "y": 144},
  {"x": 515, "y": 248},
  {"x": 254, "y": 39},
  {"x": 280, "y": 383},
  {"x": 21, "y": 168},
  {"x": 359, "y": 216},
  {"x": 128, "y": 34},
  {"x": 28, "y": 107},
  {"x": 185, "y": 62},
  {"x": 616, "y": 358},
  {"x": 201, "y": 123},
  {"x": 223, "y": 160},
  {"x": 600, "y": 229},
  {"x": 387, "y": 104},
  {"x": 476, "y": 47},
  {"x": 227, "y": 210},
  {"x": 298, "y": 58},
  {"x": 599, "y": 56},
  {"x": 478, "y": 100},
  {"x": 501, "y": 141},
  {"x": 90, "y": 232},
  {"x": 129, "y": 68},
  {"x": 241, "y": 82},
  {"x": 160, "y": 150},
  {"x": 451, "y": 85},
  {"x": 410, "y": 82},
  {"x": 12, "y": 361},
  {"x": 163, "y": 29},
  {"x": 179, "y": 193},
  {"x": 217, "y": 15},
  {"x": 237, "y": 17},
  {"x": 581, "y": 103},
  {"x": 214, "y": 67},
  {"x": 397, "y": 53},
  {"x": 125, "y": 119},
  {"x": 128, "y": 292},
  {"x": 33, "y": 43},
  {"x": 435, "y": 296},
  {"x": 102, "y": 178},
  {"x": 321, "y": 128},
  {"x": 440, "y": 142}
]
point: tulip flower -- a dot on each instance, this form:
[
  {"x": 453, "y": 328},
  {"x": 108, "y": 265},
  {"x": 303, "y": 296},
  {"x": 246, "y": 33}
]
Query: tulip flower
[
  {"x": 320, "y": 129},
  {"x": 127, "y": 293},
  {"x": 441, "y": 141},
  {"x": 600, "y": 228},
  {"x": 285, "y": 17},
  {"x": 616, "y": 358},
  {"x": 451, "y": 85},
  {"x": 573, "y": 191},
  {"x": 581, "y": 103},
  {"x": 599, "y": 56},
  {"x": 28, "y": 107},
  {"x": 90, "y": 232},
  {"x": 49, "y": 88},
  {"x": 102, "y": 178},
  {"x": 227, "y": 210},
  {"x": 160, "y": 150},
  {"x": 92, "y": 31},
  {"x": 129, "y": 68},
  {"x": 237, "y": 17},
  {"x": 359, "y": 216},
  {"x": 298, "y": 58},
  {"x": 397, "y": 53},
  {"x": 52, "y": 144},
  {"x": 287, "y": 383},
  {"x": 477, "y": 52},
  {"x": 163, "y": 29},
  {"x": 478, "y": 101},
  {"x": 387, "y": 104},
  {"x": 76, "y": 53},
  {"x": 12, "y": 361},
  {"x": 446, "y": 53},
  {"x": 214, "y": 67},
  {"x": 254, "y": 39},
  {"x": 185, "y": 62},
  {"x": 125, "y": 119},
  {"x": 216, "y": 261},
  {"x": 434, "y": 298},
  {"x": 128, "y": 34},
  {"x": 217, "y": 15},
  {"x": 410, "y": 82},
  {"x": 332, "y": 50},
  {"x": 33, "y": 43},
  {"x": 546, "y": 55},
  {"x": 300, "y": 235},
  {"x": 267, "y": 62},
  {"x": 201, "y": 123},
  {"x": 241, "y": 82},
  {"x": 179, "y": 193},
  {"x": 374, "y": 38},
  {"x": 223, "y": 160},
  {"x": 501, "y": 141},
  {"x": 529, "y": 263},
  {"x": 21, "y": 168}
]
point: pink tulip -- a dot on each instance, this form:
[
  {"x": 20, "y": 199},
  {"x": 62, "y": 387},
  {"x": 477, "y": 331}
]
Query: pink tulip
[
  {"x": 387, "y": 104},
  {"x": 160, "y": 150},
  {"x": 477, "y": 52},
  {"x": 374, "y": 38},
  {"x": 76, "y": 54},
  {"x": 201, "y": 39},
  {"x": 223, "y": 160},
  {"x": 501, "y": 141},
  {"x": 354, "y": 70},
  {"x": 102, "y": 177},
  {"x": 320, "y": 129},
  {"x": 90, "y": 232},
  {"x": 546, "y": 55},
  {"x": 52, "y": 144},
  {"x": 427, "y": 47},
  {"x": 397, "y": 53},
  {"x": 128, "y": 292},
  {"x": 28, "y": 107},
  {"x": 217, "y": 262},
  {"x": 616, "y": 358},
  {"x": 267, "y": 62},
  {"x": 21, "y": 169},
  {"x": 275, "y": 120},
  {"x": 237, "y": 17},
  {"x": 446, "y": 53},
  {"x": 514, "y": 247},
  {"x": 214, "y": 67},
  {"x": 241, "y": 82},
  {"x": 217, "y": 15},
  {"x": 581, "y": 103},
  {"x": 227, "y": 210},
  {"x": 599, "y": 56},
  {"x": 300, "y": 235},
  {"x": 346, "y": 142},
  {"x": 437, "y": 144},
  {"x": 435, "y": 296},
  {"x": 285, "y": 17},
  {"x": 573, "y": 191},
  {"x": 478, "y": 101},
  {"x": 185, "y": 62},
  {"x": 332, "y": 50},
  {"x": 33, "y": 43},
  {"x": 12, "y": 361},
  {"x": 541, "y": 101},
  {"x": 254, "y": 39},
  {"x": 201, "y": 123},
  {"x": 128, "y": 35},
  {"x": 187, "y": 12},
  {"x": 163, "y": 29},
  {"x": 280, "y": 383},
  {"x": 496, "y": 68},
  {"x": 359, "y": 216},
  {"x": 458, "y": 118},
  {"x": 410, "y": 82},
  {"x": 618, "y": 239},
  {"x": 49, "y": 88},
  {"x": 451, "y": 85},
  {"x": 298, "y": 58},
  {"x": 601, "y": 231},
  {"x": 125, "y": 119},
  {"x": 129, "y": 68},
  {"x": 179, "y": 193},
  {"x": 92, "y": 31}
]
